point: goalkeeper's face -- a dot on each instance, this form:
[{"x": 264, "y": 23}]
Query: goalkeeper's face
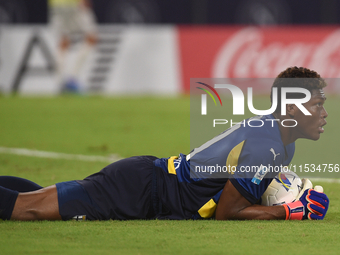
[{"x": 311, "y": 126}]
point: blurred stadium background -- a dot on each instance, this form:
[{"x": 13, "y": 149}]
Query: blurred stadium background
[{"x": 155, "y": 46}]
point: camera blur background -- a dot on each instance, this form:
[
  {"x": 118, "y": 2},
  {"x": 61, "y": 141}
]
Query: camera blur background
[{"x": 155, "y": 46}]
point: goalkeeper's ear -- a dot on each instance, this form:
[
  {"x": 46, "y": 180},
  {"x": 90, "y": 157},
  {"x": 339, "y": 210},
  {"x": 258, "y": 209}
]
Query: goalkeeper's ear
[{"x": 306, "y": 184}]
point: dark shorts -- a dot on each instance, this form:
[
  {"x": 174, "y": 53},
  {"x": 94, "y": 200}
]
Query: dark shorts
[
  {"x": 126, "y": 189},
  {"x": 74, "y": 201}
]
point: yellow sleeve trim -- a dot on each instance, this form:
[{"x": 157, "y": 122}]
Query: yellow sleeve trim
[
  {"x": 232, "y": 160},
  {"x": 171, "y": 166},
  {"x": 207, "y": 210}
]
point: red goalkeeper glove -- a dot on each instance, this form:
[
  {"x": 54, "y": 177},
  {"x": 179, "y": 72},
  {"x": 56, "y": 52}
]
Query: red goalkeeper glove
[{"x": 312, "y": 205}]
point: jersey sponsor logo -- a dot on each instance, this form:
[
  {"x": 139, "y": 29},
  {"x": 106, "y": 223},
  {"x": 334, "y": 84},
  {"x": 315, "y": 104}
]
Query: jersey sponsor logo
[
  {"x": 275, "y": 155},
  {"x": 259, "y": 175}
]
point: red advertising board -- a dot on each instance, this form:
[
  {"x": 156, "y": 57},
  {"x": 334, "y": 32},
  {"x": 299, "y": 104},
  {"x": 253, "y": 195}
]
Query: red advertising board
[{"x": 257, "y": 52}]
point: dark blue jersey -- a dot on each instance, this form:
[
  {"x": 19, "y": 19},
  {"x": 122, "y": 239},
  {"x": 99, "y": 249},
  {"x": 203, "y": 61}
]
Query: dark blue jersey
[{"x": 249, "y": 156}]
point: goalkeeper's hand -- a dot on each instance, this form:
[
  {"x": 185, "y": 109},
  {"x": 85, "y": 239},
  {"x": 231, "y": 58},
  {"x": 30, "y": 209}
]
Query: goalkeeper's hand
[{"x": 311, "y": 205}]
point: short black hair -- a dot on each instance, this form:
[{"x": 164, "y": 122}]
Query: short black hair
[{"x": 313, "y": 81}]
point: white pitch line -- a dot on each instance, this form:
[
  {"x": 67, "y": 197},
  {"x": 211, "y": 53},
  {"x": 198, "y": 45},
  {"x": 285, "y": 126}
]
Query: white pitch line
[
  {"x": 57, "y": 155},
  {"x": 110, "y": 159},
  {"x": 329, "y": 180}
]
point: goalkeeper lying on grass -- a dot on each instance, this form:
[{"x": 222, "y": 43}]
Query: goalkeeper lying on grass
[{"x": 147, "y": 187}]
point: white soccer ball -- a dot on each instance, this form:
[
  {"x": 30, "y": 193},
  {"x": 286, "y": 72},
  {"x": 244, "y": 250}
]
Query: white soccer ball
[{"x": 284, "y": 188}]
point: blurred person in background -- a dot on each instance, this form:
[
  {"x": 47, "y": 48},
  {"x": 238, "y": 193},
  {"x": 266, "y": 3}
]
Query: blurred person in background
[{"x": 72, "y": 19}]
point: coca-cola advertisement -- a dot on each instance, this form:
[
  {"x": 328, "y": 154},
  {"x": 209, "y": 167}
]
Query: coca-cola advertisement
[{"x": 254, "y": 52}]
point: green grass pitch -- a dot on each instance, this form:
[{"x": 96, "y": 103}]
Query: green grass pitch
[{"x": 142, "y": 126}]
